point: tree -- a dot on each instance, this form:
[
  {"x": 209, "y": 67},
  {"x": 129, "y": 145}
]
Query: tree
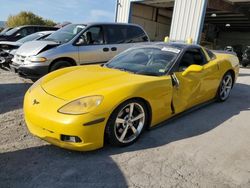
[{"x": 27, "y": 18}]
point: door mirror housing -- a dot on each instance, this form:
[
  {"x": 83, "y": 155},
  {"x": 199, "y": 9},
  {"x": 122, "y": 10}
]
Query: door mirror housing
[
  {"x": 18, "y": 34},
  {"x": 192, "y": 68},
  {"x": 80, "y": 42}
]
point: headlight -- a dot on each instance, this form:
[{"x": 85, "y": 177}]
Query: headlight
[
  {"x": 36, "y": 59},
  {"x": 82, "y": 105}
]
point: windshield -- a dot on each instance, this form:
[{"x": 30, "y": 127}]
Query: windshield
[
  {"x": 145, "y": 60},
  {"x": 4, "y": 31},
  {"x": 66, "y": 33},
  {"x": 30, "y": 37},
  {"x": 12, "y": 31}
]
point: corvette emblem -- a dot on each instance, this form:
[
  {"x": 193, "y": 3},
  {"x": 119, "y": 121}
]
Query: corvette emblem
[{"x": 35, "y": 102}]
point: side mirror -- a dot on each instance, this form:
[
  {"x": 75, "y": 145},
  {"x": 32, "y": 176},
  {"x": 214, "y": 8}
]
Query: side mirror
[
  {"x": 18, "y": 34},
  {"x": 80, "y": 42},
  {"x": 192, "y": 68}
]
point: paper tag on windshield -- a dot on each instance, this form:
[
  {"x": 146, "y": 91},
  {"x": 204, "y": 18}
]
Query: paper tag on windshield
[{"x": 168, "y": 49}]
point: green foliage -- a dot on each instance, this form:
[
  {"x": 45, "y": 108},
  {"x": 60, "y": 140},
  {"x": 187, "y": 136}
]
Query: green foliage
[{"x": 27, "y": 18}]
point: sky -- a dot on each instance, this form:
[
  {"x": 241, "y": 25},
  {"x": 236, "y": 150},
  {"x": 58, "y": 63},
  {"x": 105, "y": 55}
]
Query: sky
[{"x": 75, "y": 11}]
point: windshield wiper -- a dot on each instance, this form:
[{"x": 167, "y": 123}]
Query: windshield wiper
[{"x": 49, "y": 39}]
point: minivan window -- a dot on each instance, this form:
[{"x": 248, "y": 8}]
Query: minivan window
[
  {"x": 93, "y": 35},
  {"x": 66, "y": 33},
  {"x": 136, "y": 34},
  {"x": 117, "y": 34}
]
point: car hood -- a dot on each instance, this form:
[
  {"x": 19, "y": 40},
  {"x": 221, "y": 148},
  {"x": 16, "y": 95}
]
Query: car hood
[
  {"x": 9, "y": 45},
  {"x": 74, "y": 82},
  {"x": 35, "y": 47}
]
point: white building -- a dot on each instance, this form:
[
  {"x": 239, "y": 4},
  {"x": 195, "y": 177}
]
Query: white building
[{"x": 182, "y": 19}]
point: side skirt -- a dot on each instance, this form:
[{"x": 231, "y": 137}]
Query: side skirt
[{"x": 181, "y": 114}]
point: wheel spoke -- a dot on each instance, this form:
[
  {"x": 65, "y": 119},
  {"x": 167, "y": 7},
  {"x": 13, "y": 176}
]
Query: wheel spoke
[
  {"x": 131, "y": 109},
  {"x": 124, "y": 133},
  {"x": 222, "y": 92},
  {"x": 119, "y": 120},
  {"x": 138, "y": 117},
  {"x": 134, "y": 129}
]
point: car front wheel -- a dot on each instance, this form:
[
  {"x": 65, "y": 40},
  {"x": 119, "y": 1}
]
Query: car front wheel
[{"x": 127, "y": 123}]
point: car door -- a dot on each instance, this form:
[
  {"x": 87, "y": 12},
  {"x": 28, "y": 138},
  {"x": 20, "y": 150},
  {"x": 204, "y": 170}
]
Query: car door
[
  {"x": 115, "y": 36},
  {"x": 211, "y": 77},
  {"x": 91, "y": 46},
  {"x": 194, "y": 76}
]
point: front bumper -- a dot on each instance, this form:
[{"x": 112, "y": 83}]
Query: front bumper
[
  {"x": 31, "y": 70},
  {"x": 45, "y": 122}
]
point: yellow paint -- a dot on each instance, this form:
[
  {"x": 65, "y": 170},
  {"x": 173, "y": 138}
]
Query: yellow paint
[{"x": 58, "y": 88}]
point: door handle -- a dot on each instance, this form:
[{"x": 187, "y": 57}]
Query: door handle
[
  {"x": 113, "y": 49},
  {"x": 105, "y": 49}
]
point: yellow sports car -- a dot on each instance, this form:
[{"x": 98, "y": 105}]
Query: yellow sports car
[{"x": 79, "y": 107}]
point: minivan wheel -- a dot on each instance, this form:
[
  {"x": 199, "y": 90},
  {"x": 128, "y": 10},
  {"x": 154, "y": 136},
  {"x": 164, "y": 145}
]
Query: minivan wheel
[
  {"x": 126, "y": 123},
  {"x": 225, "y": 87},
  {"x": 59, "y": 65}
]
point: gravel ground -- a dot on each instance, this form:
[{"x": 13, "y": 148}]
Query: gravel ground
[{"x": 209, "y": 147}]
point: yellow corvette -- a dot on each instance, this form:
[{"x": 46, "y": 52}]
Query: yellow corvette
[{"x": 78, "y": 107}]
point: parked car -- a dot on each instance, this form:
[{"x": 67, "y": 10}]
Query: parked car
[
  {"x": 246, "y": 57},
  {"x": 76, "y": 44},
  {"x": 79, "y": 107},
  {"x": 23, "y": 31},
  {"x": 5, "y": 30},
  {"x": 8, "y": 49}
]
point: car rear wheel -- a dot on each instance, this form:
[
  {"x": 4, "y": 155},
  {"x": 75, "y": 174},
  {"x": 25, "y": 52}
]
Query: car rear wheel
[
  {"x": 127, "y": 123},
  {"x": 59, "y": 65},
  {"x": 225, "y": 87}
]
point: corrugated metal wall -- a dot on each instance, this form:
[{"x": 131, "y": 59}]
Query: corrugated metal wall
[
  {"x": 123, "y": 11},
  {"x": 188, "y": 19}
]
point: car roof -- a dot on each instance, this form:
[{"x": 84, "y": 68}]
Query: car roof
[
  {"x": 177, "y": 45},
  {"x": 22, "y": 26},
  {"x": 110, "y": 23},
  {"x": 105, "y": 23}
]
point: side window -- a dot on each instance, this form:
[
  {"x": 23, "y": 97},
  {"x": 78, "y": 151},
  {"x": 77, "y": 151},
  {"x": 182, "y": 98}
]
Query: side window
[
  {"x": 210, "y": 54},
  {"x": 23, "y": 32},
  {"x": 92, "y": 36},
  {"x": 136, "y": 34},
  {"x": 192, "y": 57},
  {"x": 27, "y": 31},
  {"x": 116, "y": 34}
]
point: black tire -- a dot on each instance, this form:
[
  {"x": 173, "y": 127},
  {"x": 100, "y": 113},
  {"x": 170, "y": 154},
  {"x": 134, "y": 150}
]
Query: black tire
[
  {"x": 223, "y": 96},
  {"x": 244, "y": 64},
  {"x": 113, "y": 128},
  {"x": 59, "y": 65}
]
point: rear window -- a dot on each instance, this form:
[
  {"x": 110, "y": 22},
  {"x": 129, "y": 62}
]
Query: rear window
[
  {"x": 210, "y": 54},
  {"x": 117, "y": 34}
]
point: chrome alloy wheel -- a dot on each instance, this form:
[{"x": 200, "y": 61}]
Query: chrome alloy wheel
[
  {"x": 226, "y": 87},
  {"x": 129, "y": 122}
]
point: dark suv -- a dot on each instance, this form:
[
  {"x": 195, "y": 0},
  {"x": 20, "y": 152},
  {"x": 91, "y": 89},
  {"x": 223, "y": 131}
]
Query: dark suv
[{"x": 23, "y": 31}]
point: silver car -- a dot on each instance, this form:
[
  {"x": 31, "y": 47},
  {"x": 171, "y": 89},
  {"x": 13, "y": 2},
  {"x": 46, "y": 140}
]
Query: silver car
[
  {"x": 76, "y": 44},
  {"x": 9, "y": 48}
]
